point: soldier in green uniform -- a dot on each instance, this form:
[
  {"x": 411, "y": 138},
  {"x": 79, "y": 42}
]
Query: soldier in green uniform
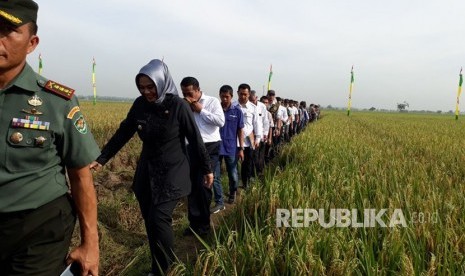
[{"x": 44, "y": 135}]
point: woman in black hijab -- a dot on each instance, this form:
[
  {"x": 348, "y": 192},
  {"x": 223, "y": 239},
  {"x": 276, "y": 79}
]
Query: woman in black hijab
[{"x": 163, "y": 121}]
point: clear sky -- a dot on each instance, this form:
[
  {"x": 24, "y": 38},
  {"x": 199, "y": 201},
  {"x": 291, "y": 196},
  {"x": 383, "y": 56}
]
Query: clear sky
[{"x": 402, "y": 50}]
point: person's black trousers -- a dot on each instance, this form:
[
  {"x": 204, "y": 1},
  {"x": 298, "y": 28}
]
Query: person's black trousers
[
  {"x": 36, "y": 242},
  {"x": 268, "y": 152},
  {"x": 158, "y": 224},
  {"x": 261, "y": 158},
  {"x": 200, "y": 197},
  {"x": 247, "y": 166}
]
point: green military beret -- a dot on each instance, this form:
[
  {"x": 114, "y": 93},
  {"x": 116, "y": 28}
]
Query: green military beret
[{"x": 18, "y": 12}]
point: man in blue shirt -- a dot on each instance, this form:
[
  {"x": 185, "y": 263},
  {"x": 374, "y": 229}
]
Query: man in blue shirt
[{"x": 230, "y": 133}]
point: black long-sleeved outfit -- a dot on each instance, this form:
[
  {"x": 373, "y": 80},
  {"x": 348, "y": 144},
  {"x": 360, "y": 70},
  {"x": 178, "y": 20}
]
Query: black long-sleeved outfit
[
  {"x": 163, "y": 174},
  {"x": 163, "y": 129}
]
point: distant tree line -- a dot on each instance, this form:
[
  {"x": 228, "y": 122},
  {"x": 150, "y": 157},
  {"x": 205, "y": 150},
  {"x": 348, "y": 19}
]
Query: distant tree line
[{"x": 105, "y": 99}]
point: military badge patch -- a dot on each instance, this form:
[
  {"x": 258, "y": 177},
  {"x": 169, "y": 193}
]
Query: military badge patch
[
  {"x": 59, "y": 89},
  {"x": 35, "y": 101},
  {"x": 81, "y": 125}
]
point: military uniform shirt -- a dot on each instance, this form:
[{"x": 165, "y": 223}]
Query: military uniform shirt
[{"x": 36, "y": 148}]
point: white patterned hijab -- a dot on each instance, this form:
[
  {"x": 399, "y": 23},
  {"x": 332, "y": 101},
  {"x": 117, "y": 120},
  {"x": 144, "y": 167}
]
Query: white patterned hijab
[{"x": 159, "y": 73}]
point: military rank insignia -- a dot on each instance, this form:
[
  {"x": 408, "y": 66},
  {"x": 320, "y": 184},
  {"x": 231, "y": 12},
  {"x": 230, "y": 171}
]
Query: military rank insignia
[
  {"x": 59, "y": 89},
  {"x": 81, "y": 125}
]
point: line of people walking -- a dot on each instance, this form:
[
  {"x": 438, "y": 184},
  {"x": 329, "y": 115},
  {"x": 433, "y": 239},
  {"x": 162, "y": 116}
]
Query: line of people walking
[
  {"x": 253, "y": 132},
  {"x": 185, "y": 141}
]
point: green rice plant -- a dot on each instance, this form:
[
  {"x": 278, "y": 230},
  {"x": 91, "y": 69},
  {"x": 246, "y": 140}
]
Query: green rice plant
[
  {"x": 369, "y": 160},
  {"x": 411, "y": 162}
]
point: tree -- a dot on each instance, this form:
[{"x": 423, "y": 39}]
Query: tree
[
  {"x": 402, "y": 106},
  {"x": 372, "y": 108}
]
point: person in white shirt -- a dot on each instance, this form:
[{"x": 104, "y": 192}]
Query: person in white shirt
[
  {"x": 269, "y": 138},
  {"x": 283, "y": 117},
  {"x": 273, "y": 108},
  {"x": 296, "y": 117},
  {"x": 209, "y": 116},
  {"x": 252, "y": 131},
  {"x": 288, "y": 124},
  {"x": 259, "y": 154}
]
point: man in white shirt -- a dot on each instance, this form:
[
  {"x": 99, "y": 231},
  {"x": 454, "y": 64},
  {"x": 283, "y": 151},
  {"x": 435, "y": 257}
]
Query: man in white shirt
[
  {"x": 268, "y": 141},
  {"x": 296, "y": 117},
  {"x": 252, "y": 131},
  {"x": 259, "y": 154},
  {"x": 283, "y": 117},
  {"x": 209, "y": 117},
  {"x": 288, "y": 124}
]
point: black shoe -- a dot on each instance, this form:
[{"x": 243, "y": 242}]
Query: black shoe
[
  {"x": 232, "y": 198},
  {"x": 202, "y": 231}
]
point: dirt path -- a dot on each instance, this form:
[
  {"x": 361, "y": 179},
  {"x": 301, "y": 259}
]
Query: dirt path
[{"x": 122, "y": 231}]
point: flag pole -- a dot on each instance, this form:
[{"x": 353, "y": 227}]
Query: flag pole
[
  {"x": 459, "y": 91},
  {"x": 40, "y": 64},
  {"x": 350, "y": 90},
  {"x": 93, "y": 80},
  {"x": 269, "y": 77}
]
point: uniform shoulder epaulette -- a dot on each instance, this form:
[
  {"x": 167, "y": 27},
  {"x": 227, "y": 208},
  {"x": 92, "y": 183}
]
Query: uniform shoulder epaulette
[{"x": 56, "y": 88}]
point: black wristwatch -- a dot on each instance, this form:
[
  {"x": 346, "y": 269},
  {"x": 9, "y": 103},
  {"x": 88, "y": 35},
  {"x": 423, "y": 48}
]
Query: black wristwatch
[{"x": 241, "y": 148}]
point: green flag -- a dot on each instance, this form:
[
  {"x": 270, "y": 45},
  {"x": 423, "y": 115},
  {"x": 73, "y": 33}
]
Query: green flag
[
  {"x": 269, "y": 76},
  {"x": 40, "y": 64},
  {"x": 459, "y": 91},
  {"x": 350, "y": 90},
  {"x": 93, "y": 80}
]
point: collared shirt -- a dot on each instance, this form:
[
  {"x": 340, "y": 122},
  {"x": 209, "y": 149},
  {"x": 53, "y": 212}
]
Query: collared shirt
[
  {"x": 251, "y": 122},
  {"x": 295, "y": 110},
  {"x": 282, "y": 114},
  {"x": 234, "y": 121},
  {"x": 289, "y": 114},
  {"x": 292, "y": 112},
  {"x": 270, "y": 119},
  {"x": 306, "y": 116},
  {"x": 263, "y": 116},
  {"x": 210, "y": 118}
]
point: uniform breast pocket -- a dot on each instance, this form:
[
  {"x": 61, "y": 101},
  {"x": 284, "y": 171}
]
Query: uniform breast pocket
[
  {"x": 231, "y": 119},
  {"x": 28, "y": 149}
]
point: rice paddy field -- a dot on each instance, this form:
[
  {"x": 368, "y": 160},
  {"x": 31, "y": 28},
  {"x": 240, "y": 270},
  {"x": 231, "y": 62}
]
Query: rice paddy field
[{"x": 412, "y": 166}]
